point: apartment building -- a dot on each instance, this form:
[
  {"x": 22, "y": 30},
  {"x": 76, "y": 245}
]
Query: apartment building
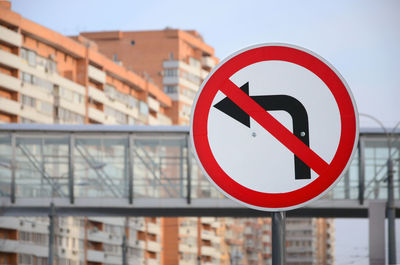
[
  {"x": 178, "y": 61},
  {"x": 46, "y": 77},
  {"x": 309, "y": 241},
  {"x": 50, "y": 78},
  {"x": 175, "y": 60}
]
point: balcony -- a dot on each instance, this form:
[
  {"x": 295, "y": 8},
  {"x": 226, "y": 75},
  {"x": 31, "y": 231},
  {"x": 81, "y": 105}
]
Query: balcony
[
  {"x": 182, "y": 65},
  {"x": 10, "y": 37},
  {"x": 153, "y": 228},
  {"x": 11, "y": 60},
  {"x": 97, "y": 236},
  {"x": 152, "y": 262},
  {"x": 185, "y": 262},
  {"x": 210, "y": 235},
  {"x": 96, "y": 74},
  {"x": 207, "y": 62},
  {"x": 71, "y": 106},
  {"x": 95, "y": 256},
  {"x": 301, "y": 249},
  {"x": 186, "y": 248},
  {"x": 175, "y": 80},
  {"x": 208, "y": 220},
  {"x": 308, "y": 259},
  {"x": 97, "y": 94},
  {"x": 203, "y": 74},
  {"x": 248, "y": 231},
  {"x": 96, "y": 115},
  {"x": 112, "y": 259},
  {"x": 137, "y": 243},
  {"x": 216, "y": 262},
  {"x": 14, "y": 246},
  {"x": 163, "y": 120},
  {"x": 10, "y": 82},
  {"x": 152, "y": 120},
  {"x": 266, "y": 238},
  {"x": 209, "y": 251},
  {"x": 153, "y": 246},
  {"x": 154, "y": 105},
  {"x": 10, "y": 106},
  {"x": 188, "y": 231},
  {"x": 207, "y": 235},
  {"x": 8, "y": 223}
]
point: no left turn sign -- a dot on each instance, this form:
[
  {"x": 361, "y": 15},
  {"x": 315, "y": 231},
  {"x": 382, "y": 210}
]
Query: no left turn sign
[{"x": 274, "y": 126}]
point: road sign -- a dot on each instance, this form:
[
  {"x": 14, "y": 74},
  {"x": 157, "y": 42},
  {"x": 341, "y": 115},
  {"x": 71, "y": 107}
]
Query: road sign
[{"x": 274, "y": 126}]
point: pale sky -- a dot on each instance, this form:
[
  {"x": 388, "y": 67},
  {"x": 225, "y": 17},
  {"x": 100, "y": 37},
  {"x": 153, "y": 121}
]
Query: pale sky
[{"x": 360, "y": 38}]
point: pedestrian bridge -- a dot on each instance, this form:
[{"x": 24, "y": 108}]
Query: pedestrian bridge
[{"x": 96, "y": 170}]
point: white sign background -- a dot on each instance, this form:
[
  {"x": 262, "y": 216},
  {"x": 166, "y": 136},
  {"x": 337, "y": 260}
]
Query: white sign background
[{"x": 252, "y": 156}]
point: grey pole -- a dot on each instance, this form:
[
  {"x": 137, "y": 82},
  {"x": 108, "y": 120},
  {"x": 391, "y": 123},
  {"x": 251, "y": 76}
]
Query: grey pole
[
  {"x": 51, "y": 235},
  {"x": 124, "y": 248},
  {"x": 278, "y": 238},
  {"x": 391, "y": 214}
]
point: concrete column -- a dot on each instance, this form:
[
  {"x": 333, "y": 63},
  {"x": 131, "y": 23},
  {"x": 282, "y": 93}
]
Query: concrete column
[{"x": 376, "y": 212}]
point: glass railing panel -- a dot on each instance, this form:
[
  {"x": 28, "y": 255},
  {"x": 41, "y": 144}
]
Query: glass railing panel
[
  {"x": 201, "y": 186},
  {"x": 100, "y": 166},
  {"x": 41, "y": 166},
  {"x": 159, "y": 166},
  {"x": 5, "y": 165}
]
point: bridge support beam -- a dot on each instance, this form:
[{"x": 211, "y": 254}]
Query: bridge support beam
[{"x": 376, "y": 212}]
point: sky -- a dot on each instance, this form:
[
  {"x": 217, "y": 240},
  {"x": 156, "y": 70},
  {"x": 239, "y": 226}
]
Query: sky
[{"x": 361, "y": 39}]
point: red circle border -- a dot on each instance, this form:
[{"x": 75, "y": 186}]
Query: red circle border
[{"x": 348, "y": 117}]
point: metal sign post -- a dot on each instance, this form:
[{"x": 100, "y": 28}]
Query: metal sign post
[{"x": 278, "y": 238}]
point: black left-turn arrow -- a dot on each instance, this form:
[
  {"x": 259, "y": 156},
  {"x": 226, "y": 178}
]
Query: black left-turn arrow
[{"x": 274, "y": 103}]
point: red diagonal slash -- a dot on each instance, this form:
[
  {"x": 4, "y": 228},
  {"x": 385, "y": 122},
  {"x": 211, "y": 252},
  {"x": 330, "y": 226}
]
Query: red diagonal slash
[{"x": 274, "y": 127}]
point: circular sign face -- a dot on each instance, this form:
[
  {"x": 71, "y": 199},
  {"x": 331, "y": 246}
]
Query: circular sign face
[{"x": 274, "y": 126}]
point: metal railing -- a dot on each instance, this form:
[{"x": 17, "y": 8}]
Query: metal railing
[{"x": 136, "y": 162}]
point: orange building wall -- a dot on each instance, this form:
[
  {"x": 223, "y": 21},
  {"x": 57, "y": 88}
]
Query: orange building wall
[{"x": 169, "y": 241}]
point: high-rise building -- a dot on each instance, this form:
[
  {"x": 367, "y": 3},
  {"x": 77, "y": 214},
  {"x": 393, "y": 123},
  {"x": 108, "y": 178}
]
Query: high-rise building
[
  {"x": 46, "y": 77},
  {"x": 309, "y": 241},
  {"x": 148, "y": 77},
  {"x": 178, "y": 61},
  {"x": 175, "y": 60}
]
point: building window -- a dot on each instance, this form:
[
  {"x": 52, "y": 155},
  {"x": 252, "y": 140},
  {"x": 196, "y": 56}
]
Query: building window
[
  {"x": 25, "y": 120},
  {"x": 143, "y": 108},
  {"x": 171, "y": 72},
  {"x": 194, "y": 62},
  {"x": 132, "y": 102},
  {"x": 46, "y": 108},
  {"x": 32, "y": 58},
  {"x": 170, "y": 89},
  {"x": 28, "y": 101},
  {"x": 27, "y": 78},
  {"x": 66, "y": 94},
  {"x": 118, "y": 116},
  {"x": 189, "y": 93},
  {"x": 131, "y": 120},
  {"x": 67, "y": 116},
  {"x": 25, "y": 259},
  {"x": 31, "y": 79},
  {"x": 46, "y": 85},
  {"x": 115, "y": 57},
  {"x": 78, "y": 98},
  {"x": 109, "y": 91},
  {"x": 29, "y": 56}
]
